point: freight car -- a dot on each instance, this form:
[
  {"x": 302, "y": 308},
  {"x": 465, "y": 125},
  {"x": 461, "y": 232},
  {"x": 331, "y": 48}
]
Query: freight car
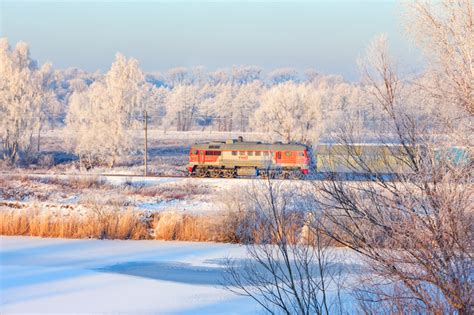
[
  {"x": 234, "y": 158},
  {"x": 359, "y": 158}
]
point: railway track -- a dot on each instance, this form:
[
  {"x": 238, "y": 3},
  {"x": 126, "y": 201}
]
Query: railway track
[
  {"x": 150, "y": 178},
  {"x": 124, "y": 176}
]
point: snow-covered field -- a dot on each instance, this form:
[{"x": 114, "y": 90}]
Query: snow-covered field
[{"x": 96, "y": 276}]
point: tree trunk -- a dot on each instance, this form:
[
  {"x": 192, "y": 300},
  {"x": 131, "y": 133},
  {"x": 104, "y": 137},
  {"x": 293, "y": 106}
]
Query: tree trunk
[
  {"x": 178, "y": 123},
  {"x": 39, "y": 139}
]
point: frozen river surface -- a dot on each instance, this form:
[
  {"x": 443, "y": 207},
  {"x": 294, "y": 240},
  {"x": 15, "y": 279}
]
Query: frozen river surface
[{"x": 103, "y": 276}]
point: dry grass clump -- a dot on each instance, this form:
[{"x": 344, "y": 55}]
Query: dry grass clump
[
  {"x": 192, "y": 227},
  {"x": 15, "y": 188},
  {"x": 224, "y": 227},
  {"x": 104, "y": 224},
  {"x": 2, "y": 184},
  {"x": 84, "y": 182},
  {"x": 183, "y": 227},
  {"x": 12, "y": 204},
  {"x": 78, "y": 182},
  {"x": 111, "y": 199}
]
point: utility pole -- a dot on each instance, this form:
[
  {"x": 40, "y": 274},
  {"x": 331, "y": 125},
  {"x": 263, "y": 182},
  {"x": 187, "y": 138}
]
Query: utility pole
[{"x": 146, "y": 144}]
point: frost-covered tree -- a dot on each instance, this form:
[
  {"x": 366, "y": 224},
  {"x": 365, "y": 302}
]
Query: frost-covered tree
[
  {"x": 444, "y": 30},
  {"x": 292, "y": 112},
  {"x": 67, "y": 82},
  {"x": 220, "y": 76},
  {"x": 311, "y": 74},
  {"x": 100, "y": 116},
  {"x": 126, "y": 86},
  {"x": 245, "y": 74},
  {"x": 25, "y": 97},
  {"x": 343, "y": 102},
  {"x": 206, "y": 117},
  {"x": 155, "y": 99},
  {"x": 177, "y": 76},
  {"x": 281, "y": 75},
  {"x": 246, "y": 101},
  {"x": 50, "y": 106},
  {"x": 198, "y": 76},
  {"x": 224, "y": 109},
  {"x": 181, "y": 106}
]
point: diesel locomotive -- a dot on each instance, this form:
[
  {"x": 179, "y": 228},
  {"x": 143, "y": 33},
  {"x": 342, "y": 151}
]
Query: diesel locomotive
[{"x": 236, "y": 157}]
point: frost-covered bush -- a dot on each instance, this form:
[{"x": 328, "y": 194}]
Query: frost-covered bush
[{"x": 46, "y": 160}]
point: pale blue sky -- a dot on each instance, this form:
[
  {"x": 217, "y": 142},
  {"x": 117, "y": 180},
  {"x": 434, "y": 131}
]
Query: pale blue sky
[{"x": 325, "y": 35}]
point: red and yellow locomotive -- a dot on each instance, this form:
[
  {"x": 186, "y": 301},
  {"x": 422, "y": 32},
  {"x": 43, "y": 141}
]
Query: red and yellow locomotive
[{"x": 234, "y": 158}]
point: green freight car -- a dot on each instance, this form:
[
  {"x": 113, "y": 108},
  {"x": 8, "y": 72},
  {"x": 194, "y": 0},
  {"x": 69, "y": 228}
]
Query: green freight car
[
  {"x": 362, "y": 158},
  {"x": 383, "y": 158}
]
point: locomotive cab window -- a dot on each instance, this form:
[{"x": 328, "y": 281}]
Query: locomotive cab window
[{"x": 234, "y": 152}]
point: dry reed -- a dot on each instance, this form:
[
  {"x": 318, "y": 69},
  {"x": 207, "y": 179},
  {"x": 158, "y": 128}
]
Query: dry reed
[
  {"x": 107, "y": 223},
  {"x": 111, "y": 225}
]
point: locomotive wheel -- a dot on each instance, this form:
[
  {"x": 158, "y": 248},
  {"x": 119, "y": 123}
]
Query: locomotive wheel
[
  {"x": 295, "y": 175},
  {"x": 229, "y": 173},
  {"x": 273, "y": 174},
  {"x": 201, "y": 172},
  {"x": 215, "y": 173}
]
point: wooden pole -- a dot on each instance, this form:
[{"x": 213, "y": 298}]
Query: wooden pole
[{"x": 146, "y": 144}]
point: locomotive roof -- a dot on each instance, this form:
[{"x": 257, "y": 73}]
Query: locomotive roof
[{"x": 251, "y": 146}]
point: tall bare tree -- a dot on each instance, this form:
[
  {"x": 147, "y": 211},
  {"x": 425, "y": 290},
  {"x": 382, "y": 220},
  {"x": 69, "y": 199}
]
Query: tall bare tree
[{"x": 416, "y": 230}]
